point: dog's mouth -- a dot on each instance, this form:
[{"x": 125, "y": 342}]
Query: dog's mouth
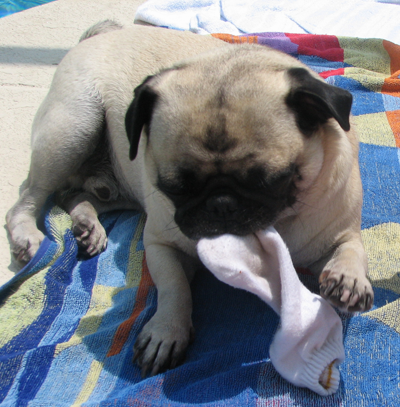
[{"x": 227, "y": 204}]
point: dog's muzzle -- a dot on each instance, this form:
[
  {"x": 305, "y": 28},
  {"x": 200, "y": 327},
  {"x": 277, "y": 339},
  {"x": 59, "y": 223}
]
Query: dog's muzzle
[{"x": 223, "y": 204}]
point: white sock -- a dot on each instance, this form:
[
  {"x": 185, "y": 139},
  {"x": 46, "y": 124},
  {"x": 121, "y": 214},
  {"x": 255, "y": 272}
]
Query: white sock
[{"x": 308, "y": 344}]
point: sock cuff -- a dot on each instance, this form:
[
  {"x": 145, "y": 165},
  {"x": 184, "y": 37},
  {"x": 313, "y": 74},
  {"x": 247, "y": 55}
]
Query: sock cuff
[{"x": 318, "y": 372}]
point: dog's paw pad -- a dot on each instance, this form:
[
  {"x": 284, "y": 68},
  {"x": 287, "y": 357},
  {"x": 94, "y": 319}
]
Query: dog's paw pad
[{"x": 345, "y": 292}]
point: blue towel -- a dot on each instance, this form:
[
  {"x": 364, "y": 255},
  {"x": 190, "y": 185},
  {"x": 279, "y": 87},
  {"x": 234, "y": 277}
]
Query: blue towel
[{"x": 68, "y": 324}]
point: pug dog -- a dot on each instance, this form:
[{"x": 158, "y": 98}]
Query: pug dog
[{"x": 218, "y": 138}]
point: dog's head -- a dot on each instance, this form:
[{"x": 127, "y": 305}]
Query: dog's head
[{"x": 234, "y": 136}]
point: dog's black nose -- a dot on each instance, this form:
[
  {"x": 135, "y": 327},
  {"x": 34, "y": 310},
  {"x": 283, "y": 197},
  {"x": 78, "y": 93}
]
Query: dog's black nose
[{"x": 222, "y": 206}]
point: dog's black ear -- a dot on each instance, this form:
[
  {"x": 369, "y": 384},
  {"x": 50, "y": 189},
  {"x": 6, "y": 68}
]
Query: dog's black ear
[
  {"x": 139, "y": 114},
  {"x": 315, "y": 101}
]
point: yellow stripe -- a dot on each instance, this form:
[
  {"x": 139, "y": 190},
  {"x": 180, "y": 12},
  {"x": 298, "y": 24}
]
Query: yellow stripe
[
  {"x": 60, "y": 221},
  {"x": 102, "y": 296},
  {"x": 22, "y": 309},
  {"x": 100, "y": 302},
  {"x": 134, "y": 272},
  {"x": 368, "y": 54},
  {"x": 382, "y": 244},
  {"x": 370, "y": 80},
  {"x": 374, "y": 129},
  {"x": 19, "y": 311},
  {"x": 90, "y": 383},
  {"x": 388, "y": 314}
]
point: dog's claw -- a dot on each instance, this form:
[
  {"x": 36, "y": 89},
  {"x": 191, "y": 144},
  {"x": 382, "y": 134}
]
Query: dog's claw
[
  {"x": 21, "y": 256},
  {"x": 345, "y": 292},
  {"x": 328, "y": 287},
  {"x": 369, "y": 301}
]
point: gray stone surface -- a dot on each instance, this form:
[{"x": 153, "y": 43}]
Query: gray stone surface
[{"x": 32, "y": 43}]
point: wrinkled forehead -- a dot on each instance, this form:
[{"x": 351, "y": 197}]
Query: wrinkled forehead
[
  {"x": 215, "y": 85},
  {"x": 233, "y": 120}
]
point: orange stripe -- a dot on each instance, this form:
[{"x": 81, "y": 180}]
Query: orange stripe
[
  {"x": 224, "y": 37},
  {"x": 124, "y": 329},
  {"x": 391, "y": 85},
  {"x": 394, "y": 122},
  {"x": 234, "y": 39},
  {"x": 394, "y": 53}
]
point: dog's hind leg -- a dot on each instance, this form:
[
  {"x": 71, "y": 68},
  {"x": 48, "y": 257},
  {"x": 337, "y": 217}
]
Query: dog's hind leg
[
  {"x": 84, "y": 208},
  {"x": 65, "y": 132}
]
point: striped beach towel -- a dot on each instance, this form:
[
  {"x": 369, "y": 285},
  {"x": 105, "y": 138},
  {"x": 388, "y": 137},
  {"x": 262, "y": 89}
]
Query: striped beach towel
[{"x": 68, "y": 324}]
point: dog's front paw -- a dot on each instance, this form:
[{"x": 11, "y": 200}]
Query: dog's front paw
[
  {"x": 89, "y": 233},
  {"x": 161, "y": 346},
  {"x": 346, "y": 291}
]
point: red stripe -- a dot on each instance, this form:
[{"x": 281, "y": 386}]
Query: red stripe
[
  {"x": 334, "y": 72},
  {"x": 323, "y": 46},
  {"x": 123, "y": 331}
]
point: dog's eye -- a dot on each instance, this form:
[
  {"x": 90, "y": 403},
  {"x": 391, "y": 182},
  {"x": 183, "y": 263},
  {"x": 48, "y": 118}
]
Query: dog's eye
[
  {"x": 181, "y": 186},
  {"x": 172, "y": 193},
  {"x": 169, "y": 189},
  {"x": 172, "y": 190},
  {"x": 275, "y": 184}
]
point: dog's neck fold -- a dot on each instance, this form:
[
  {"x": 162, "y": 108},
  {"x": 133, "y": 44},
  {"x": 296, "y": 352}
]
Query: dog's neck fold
[{"x": 308, "y": 345}]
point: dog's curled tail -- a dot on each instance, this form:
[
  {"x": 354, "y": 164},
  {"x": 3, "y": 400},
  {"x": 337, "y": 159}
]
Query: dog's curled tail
[{"x": 101, "y": 27}]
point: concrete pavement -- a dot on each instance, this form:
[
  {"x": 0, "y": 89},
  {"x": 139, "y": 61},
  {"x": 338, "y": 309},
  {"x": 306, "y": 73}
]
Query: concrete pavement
[{"x": 32, "y": 43}]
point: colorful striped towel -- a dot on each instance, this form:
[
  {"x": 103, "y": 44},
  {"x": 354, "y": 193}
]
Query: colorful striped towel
[{"x": 68, "y": 324}]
